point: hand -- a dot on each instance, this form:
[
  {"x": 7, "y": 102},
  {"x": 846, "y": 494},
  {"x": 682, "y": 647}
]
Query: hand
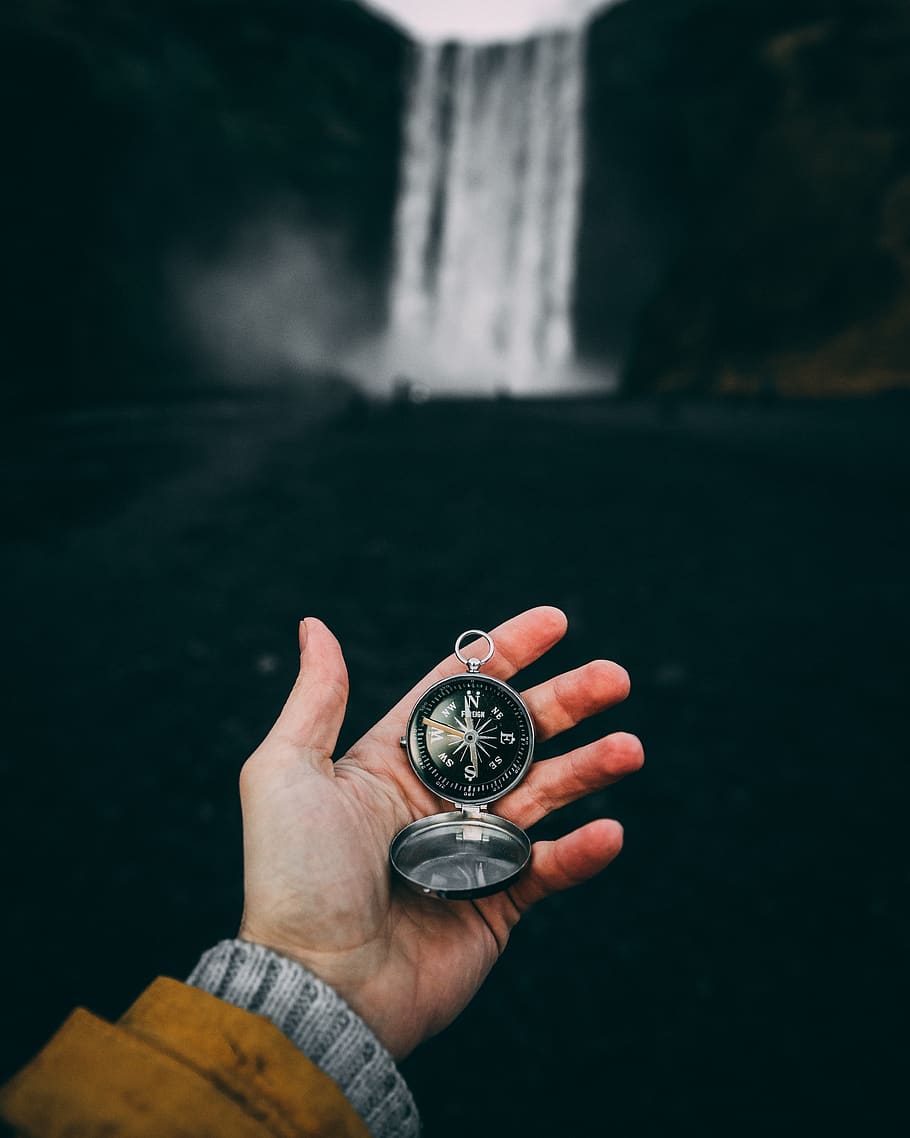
[{"x": 316, "y": 835}]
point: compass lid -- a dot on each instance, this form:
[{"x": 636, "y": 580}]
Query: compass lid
[{"x": 460, "y": 855}]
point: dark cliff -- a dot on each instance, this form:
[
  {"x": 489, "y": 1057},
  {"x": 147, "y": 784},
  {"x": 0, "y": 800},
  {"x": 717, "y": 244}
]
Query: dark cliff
[
  {"x": 139, "y": 134},
  {"x": 747, "y": 211}
]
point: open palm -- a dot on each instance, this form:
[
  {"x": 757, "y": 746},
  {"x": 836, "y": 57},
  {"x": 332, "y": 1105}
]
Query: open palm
[{"x": 316, "y": 835}]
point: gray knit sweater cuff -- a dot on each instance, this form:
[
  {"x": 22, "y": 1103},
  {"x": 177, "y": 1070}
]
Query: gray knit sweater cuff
[{"x": 315, "y": 1018}]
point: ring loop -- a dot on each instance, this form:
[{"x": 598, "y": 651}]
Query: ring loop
[{"x": 474, "y": 632}]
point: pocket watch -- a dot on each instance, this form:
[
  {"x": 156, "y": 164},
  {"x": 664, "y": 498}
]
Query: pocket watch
[{"x": 470, "y": 740}]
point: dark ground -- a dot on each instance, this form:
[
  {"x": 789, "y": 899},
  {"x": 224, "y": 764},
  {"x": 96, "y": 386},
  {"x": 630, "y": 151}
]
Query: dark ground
[{"x": 737, "y": 971}]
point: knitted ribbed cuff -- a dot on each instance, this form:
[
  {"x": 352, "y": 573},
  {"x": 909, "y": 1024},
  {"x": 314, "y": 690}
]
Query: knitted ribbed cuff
[{"x": 315, "y": 1018}]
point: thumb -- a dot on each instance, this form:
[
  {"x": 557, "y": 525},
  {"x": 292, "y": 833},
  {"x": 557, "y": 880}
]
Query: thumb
[{"x": 310, "y": 721}]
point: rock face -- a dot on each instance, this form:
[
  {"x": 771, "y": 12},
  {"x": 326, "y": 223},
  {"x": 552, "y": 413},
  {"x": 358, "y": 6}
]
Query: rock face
[
  {"x": 749, "y": 176},
  {"x": 745, "y": 218},
  {"x": 138, "y": 135}
]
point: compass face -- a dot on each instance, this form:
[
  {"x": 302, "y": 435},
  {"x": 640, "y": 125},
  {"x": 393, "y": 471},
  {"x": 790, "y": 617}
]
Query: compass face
[{"x": 470, "y": 738}]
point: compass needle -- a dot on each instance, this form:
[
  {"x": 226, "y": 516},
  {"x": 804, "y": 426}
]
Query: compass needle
[{"x": 442, "y": 727}]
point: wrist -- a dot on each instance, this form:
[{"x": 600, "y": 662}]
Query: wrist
[
  {"x": 319, "y": 1021},
  {"x": 352, "y": 974}
]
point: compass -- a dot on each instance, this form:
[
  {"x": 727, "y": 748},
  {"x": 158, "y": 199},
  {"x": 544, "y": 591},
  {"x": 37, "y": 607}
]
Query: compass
[{"x": 470, "y": 740}]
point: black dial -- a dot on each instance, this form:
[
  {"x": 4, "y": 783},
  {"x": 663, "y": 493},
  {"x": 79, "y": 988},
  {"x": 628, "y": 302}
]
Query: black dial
[{"x": 470, "y": 738}]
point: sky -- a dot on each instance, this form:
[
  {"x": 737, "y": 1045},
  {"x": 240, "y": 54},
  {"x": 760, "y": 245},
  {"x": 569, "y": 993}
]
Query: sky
[{"x": 482, "y": 19}]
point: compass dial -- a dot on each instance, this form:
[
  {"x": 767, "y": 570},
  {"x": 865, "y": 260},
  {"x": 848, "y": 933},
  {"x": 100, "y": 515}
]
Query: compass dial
[{"x": 470, "y": 738}]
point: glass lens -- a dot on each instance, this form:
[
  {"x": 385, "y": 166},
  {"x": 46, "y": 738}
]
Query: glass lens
[{"x": 457, "y": 857}]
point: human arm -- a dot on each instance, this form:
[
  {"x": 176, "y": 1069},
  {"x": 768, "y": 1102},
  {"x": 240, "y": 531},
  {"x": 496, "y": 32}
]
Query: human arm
[
  {"x": 318, "y": 896},
  {"x": 317, "y": 830}
]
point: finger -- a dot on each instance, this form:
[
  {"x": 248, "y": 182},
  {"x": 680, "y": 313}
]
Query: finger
[
  {"x": 308, "y": 725},
  {"x": 555, "y": 783},
  {"x": 566, "y": 700},
  {"x": 518, "y": 642},
  {"x": 568, "y": 861}
]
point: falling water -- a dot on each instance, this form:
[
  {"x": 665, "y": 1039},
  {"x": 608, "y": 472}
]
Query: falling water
[{"x": 488, "y": 213}]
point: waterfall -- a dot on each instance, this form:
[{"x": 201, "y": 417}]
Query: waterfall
[{"x": 488, "y": 213}]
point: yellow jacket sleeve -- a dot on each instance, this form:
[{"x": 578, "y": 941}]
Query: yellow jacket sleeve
[{"x": 179, "y": 1064}]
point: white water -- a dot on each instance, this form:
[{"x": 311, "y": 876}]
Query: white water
[{"x": 488, "y": 215}]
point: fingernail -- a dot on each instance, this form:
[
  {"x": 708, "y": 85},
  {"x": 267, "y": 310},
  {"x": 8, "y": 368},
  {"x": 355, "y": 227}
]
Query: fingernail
[{"x": 302, "y": 634}]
